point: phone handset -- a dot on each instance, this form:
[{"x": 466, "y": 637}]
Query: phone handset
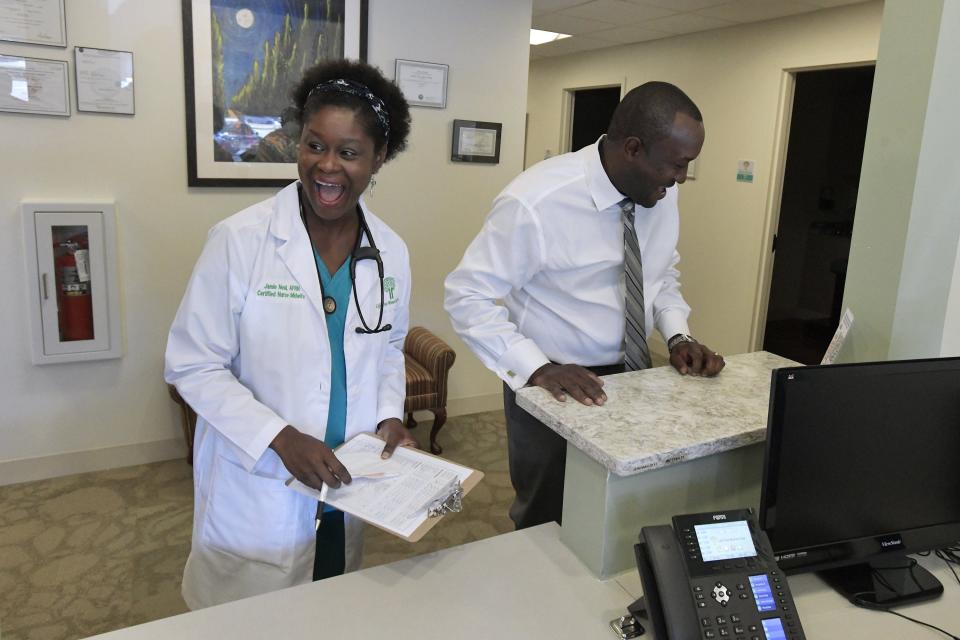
[{"x": 661, "y": 565}]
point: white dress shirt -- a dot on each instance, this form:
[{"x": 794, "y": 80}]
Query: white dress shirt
[{"x": 552, "y": 250}]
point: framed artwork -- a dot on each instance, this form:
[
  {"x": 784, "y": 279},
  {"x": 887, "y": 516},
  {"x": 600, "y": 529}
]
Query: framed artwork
[
  {"x": 475, "y": 141},
  {"x": 241, "y": 59}
]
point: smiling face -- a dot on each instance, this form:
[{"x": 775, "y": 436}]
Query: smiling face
[
  {"x": 650, "y": 169},
  {"x": 335, "y": 160}
]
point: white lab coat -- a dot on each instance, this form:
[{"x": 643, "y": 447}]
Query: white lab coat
[{"x": 249, "y": 351}]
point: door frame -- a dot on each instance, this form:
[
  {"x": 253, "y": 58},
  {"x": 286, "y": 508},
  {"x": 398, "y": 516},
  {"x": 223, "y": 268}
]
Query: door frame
[
  {"x": 566, "y": 109},
  {"x": 778, "y": 165}
]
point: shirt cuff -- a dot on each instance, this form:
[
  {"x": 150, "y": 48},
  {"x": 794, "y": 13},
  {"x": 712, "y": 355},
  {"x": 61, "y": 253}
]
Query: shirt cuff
[
  {"x": 672, "y": 322},
  {"x": 519, "y": 362}
]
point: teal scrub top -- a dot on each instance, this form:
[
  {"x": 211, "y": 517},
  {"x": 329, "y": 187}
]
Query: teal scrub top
[{"x": 338, "y": 286}]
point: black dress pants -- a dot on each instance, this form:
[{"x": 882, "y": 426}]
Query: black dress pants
[
  {"x": 538, "y": 458},
  {"x": 330, "y": 559}
]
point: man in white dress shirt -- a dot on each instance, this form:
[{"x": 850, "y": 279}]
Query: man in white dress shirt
[{"x": 552, "y": 249}]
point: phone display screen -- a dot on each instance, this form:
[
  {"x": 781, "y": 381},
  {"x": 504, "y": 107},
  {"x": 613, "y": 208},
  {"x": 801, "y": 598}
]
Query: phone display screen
[
  {"x": 762, "y": 593},
  {"x": 773, "y": 629},
  {"x": 725, "y": 540}
]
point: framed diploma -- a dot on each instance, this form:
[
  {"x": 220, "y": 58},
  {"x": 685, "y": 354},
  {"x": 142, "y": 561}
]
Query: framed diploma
[
  {"x": 424, "y": 84},
  {"x": 475, "y": 141},
  {"x": 33, "y": 22},
  {"x": 241, "y": 59},
  {"x": 104, "y": 80},
  {"x": 34, "y": 85}
]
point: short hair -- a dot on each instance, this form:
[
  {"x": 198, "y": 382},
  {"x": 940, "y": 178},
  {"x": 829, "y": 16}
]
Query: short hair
[
  {"x": 306, "y": 104},
  {"x": 647, "y": 112}
]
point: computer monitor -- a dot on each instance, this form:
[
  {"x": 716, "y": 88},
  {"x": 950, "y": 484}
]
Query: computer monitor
[{"x": 863, "y": 467}]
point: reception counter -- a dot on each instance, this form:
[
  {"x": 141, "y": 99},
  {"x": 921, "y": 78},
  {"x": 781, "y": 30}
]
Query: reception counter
[
  {"x": 662, "y": 444},
  {"x": 525, "y": 584}
]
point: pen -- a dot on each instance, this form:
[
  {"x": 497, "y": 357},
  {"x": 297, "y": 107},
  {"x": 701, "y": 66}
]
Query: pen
[{"x": 376, "y": 475}]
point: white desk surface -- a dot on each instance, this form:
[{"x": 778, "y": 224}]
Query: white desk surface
[
  {"x": 524, "y": 585},
  {"x": 656, "y": 418}
]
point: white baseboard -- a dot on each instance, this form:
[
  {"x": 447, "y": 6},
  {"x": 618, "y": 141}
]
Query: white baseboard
[
  {"x": 475, "y": 404},
  {"x": 65, "y": 464},
  {"x": 466, "y": 406}
]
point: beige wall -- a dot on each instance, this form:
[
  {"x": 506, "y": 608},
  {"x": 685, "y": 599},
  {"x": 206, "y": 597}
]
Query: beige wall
[
  {"x": 737, "y": 78},
  {"x": 64, "y": 418},
  {"x": 903, "y": 282}
]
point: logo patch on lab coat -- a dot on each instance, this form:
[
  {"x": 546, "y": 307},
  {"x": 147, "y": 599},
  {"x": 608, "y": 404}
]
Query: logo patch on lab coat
[{"x": 390, "y": 291}]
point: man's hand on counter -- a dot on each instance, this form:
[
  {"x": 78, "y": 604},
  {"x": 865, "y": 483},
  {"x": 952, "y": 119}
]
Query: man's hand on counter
[
  {"x": 693, "y": 358},
  {"x": 561, "y": 379}
]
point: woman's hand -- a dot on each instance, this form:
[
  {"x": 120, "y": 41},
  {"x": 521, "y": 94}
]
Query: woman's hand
[
  {"x": 309, "y": 460},
  {"x": 396, "y": 435}
]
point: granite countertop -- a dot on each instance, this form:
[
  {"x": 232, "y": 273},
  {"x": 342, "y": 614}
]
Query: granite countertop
[{"x": 655, "y": 418}]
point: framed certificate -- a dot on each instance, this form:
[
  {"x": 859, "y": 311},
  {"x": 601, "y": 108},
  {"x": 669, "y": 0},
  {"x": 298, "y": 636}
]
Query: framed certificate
[
  {"x": 34, "y": 85},
  {"x": 104, "y": 80},
  {"x": 424, "y": 84},
  {"x": 475, "y": 141},
  {"x": 33, "y": 22}
]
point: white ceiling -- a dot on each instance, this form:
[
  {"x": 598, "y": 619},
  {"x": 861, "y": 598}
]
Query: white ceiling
[{"x": 596, "y": 24}]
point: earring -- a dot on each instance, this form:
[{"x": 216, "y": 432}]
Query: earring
[{"x": 372, "y": 185}]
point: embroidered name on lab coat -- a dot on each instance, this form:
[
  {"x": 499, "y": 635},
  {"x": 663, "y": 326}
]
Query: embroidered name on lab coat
[{"x": 281, "y": 291}]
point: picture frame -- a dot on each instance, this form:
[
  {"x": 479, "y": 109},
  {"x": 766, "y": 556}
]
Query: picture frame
[
  {"x": 103, "y": 80},
  {"x": 476, "y": 141},
  {"x": 232, "y": 103},
  {"x": 41, "y": 22},
  {"x": 37, "y": 86},
  {"x": 424, "y": 84}
]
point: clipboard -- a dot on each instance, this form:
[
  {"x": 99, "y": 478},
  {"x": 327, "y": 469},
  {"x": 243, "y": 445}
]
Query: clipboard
[{"x": 440, "y": 500}]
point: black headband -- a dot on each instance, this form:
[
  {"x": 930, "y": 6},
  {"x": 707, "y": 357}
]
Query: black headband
[{"x": 361, "y": 91}]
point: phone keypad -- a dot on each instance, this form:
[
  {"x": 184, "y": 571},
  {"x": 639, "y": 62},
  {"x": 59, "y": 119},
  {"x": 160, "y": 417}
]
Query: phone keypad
[{"x": 735, "y": 622}]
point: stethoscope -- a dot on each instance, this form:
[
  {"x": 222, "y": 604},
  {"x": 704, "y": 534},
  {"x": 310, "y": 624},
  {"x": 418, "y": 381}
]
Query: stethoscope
[{"x": 359, "y": 253}]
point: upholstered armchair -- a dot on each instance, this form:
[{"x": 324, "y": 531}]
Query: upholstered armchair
[{"x": 428, "y": 361}]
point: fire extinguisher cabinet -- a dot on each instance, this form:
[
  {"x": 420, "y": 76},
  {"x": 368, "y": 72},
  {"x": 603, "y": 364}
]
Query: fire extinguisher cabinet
[{"x": 74, "y": 305}]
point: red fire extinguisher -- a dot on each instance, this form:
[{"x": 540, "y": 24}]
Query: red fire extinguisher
[{"x": 74, "y": 302}]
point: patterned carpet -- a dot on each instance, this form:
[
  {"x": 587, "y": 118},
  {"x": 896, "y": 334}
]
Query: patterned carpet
[{"x": 90, "y": 553}]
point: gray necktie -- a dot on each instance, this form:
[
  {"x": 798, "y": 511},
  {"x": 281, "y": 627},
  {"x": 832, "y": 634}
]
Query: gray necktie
[{"x": 636, "y": 353}]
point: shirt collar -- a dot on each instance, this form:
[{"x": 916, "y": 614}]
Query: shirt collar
[{"x": 604, "y": 194}]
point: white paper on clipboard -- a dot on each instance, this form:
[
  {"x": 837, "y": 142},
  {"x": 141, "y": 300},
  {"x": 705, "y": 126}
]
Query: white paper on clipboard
[{"x": 392, "y": 494}]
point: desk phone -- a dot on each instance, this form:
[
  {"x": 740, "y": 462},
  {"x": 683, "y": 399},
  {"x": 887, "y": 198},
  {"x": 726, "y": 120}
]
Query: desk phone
[{"x": 713, "y": 576}]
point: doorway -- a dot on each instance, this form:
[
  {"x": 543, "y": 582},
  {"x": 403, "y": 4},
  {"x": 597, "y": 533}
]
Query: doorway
[
  {"x": 812, "y": 242},
  {"x": 592, "y": 110}
]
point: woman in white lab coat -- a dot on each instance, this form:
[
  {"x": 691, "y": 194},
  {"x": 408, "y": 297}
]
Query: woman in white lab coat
[{"x": 289, "y": 341}]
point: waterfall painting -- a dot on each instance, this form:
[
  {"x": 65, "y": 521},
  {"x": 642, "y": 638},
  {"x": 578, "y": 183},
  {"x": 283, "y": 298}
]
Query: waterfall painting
[{"x": 241, "y": 59}]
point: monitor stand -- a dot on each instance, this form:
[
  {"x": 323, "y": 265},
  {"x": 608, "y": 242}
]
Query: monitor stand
[{"x": 884, "y": 582}]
